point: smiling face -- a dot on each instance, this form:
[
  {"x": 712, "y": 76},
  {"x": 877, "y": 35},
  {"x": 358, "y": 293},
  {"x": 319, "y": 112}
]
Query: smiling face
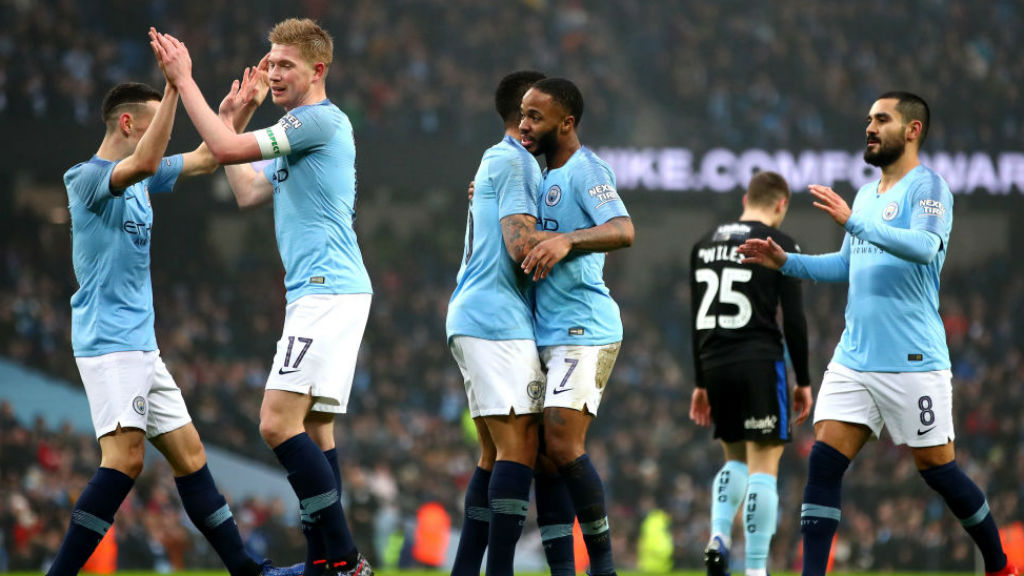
[
  {"x": 294, "y": 81},
  {"x": 886, "y": 133},
  {"x": 542, "y": 120}
]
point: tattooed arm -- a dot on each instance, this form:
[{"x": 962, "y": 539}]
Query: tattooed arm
[
  {"x": 521, "y": 235},
  {"x": 613, "y": 234}
]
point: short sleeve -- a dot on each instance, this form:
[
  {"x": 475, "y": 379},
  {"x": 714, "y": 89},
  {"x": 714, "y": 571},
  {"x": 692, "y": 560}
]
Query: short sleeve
[
  {"x": 166, "y": 175},
  {"x": 516, "y": 186},
  {"x": 302, "y": 129},
  {"x": 931, "y": 206},
  {"x": 88, "y": 183},
  {"x": 599, "y": 198}
]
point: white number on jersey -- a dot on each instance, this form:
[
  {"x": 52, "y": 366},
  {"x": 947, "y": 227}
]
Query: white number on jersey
[{"x": 723, "y": 290}]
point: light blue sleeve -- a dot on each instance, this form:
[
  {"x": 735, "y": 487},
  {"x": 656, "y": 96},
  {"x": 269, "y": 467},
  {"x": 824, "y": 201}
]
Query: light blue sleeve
[
  {"x": 916, "y": 245},
  {"x": 307, "y": 127},
  {"x": 516, "y": 185},
  {"x": 600, "y": 200},
  {"x": 90, "y": 184},
  {"x": 166, "y": 175},
  {"x": 832, "y": 267}
]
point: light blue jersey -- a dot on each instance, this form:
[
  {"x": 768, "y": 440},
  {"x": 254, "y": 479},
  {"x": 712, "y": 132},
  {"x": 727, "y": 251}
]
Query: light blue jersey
[
  {"x": 491, "y": 299},
  {"x": 314, "y": 203},
  {"x": 573, "y": 306},
  {"x": 112, "y": 310},
  {"x": 892, "y": 256}
]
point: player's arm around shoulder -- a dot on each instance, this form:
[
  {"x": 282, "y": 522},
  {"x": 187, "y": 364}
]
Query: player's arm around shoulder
[{"x": 521, "y": 234}]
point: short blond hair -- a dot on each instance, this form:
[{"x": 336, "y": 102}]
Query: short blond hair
[{"x": 313, "y": 42}]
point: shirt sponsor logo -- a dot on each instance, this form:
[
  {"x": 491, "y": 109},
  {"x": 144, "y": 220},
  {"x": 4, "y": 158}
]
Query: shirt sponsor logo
[
  {"x": 604, "y": 193},
  {"x": 765, "y": 425},
  {"x": 890, "y": 211},
  {"x": 931, "y": 207},
  {"x": 553, "y": 196}
]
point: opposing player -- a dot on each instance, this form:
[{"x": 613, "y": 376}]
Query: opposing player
[
  {"x": 497, "y": 353},
  {"x": 891, "y": 367},
  {"x": 132, "y": 396},
  {"x": 576, "y": 321},
  {"x": 741, "y": 370},
  {"x": 312, "y": 184}
]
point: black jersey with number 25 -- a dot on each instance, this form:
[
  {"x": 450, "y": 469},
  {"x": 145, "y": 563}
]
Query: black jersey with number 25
[{"x": 734, "y": 305}]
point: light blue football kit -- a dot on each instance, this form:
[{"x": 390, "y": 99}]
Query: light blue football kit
[
  {"x": 892, "y": 256},
  {"x": 314, "y": 180},
  {"x": 573, "y": 305},
  {"x": 491, "y": 300},
  {"x": 112, "y": 310}
]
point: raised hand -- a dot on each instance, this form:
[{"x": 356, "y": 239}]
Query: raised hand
[
  {"x": 172, "y": 55},
  {"x": 251, "y": 90},
  {"x": 830, "y": 203},
  {"x": 763, "y": 252}
]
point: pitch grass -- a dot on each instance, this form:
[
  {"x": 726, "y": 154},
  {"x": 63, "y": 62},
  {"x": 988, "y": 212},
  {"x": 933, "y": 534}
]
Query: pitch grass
[{"x": 435, "y": 572}]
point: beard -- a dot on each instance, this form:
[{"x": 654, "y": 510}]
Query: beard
[
  {"x": 546, "y": 142},
  {"x": 887, "y": 153}
]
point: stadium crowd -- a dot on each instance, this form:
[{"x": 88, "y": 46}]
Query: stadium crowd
[
  {"x": 403, "y": 443},
  {"x": 788, "y": 75}
]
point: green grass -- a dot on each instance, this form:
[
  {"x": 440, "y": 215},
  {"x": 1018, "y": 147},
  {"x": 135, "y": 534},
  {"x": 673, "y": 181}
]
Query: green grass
[{"x": 434, "y": 572}]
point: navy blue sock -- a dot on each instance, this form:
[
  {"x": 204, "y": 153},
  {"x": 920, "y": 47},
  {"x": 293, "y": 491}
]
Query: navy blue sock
[
  {"x": 968, "y": 504},
  {"x": 555, "y": 516},
  {"x": 509, "y": 497},
  {"x": 820, "y": 512},
  {"x": 475, "y": 526},
  {"x": 311, "y": 477},
  {"x": 209, "y": 511},
  {"x": 90, "y": 519},
  {"x": 587, "y": 493},
  {"x": 316, "y": 551}
]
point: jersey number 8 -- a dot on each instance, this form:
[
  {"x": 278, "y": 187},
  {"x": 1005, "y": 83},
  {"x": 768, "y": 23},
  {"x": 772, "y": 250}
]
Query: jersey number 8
[{"x": 724, "y": 293}]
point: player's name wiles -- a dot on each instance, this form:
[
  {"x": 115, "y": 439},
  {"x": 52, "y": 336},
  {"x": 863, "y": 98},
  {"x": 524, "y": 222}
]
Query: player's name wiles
[
  {"x": 719, "y": 252},
  {"x": 725, "y": 170}
]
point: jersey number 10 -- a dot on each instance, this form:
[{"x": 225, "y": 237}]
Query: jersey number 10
[{"x": 722, "y": 290}]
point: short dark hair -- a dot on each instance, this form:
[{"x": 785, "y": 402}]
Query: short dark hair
[
  {"x": 911, "y": 107},
  {"x": 127, "y": 93},
  {"x": 565, "y": 93},
  {"x": 766, "y": 188},
  {"x": 508, "y": 97}
]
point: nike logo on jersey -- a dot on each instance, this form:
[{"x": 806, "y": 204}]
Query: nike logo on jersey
[
  {"x": 925, "y": 431},
  {"x": 560, "y": 390},
  {"x": 282, "y": 371}
]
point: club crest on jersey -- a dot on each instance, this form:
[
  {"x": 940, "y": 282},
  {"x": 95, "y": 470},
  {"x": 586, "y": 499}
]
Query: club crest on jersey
[
  {"x": 535, "y": 390},
  {"x": 139, "y": 404},
  {"x": 553, "y": 196},
  {"x": 890, "y": 211}
]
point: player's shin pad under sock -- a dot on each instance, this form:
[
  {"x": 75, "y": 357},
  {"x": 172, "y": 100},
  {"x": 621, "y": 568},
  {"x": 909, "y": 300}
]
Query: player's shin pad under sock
[
  {"x": 475, "y": 526},
  {"x": 727, "y": 492},
  {"x": 209, "y": 512},
  {"x": 556, "y": 516},
  {"x": 90, "y": 519},
  {"x": 311, "y": 477},
  {"x": 820, "y": 512},
  {"x": 588, "y": 498},
  {"x": 968, "y": 504},
  {"x": 509, "y": 498},
  {"x": 760, "y": 513}
]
